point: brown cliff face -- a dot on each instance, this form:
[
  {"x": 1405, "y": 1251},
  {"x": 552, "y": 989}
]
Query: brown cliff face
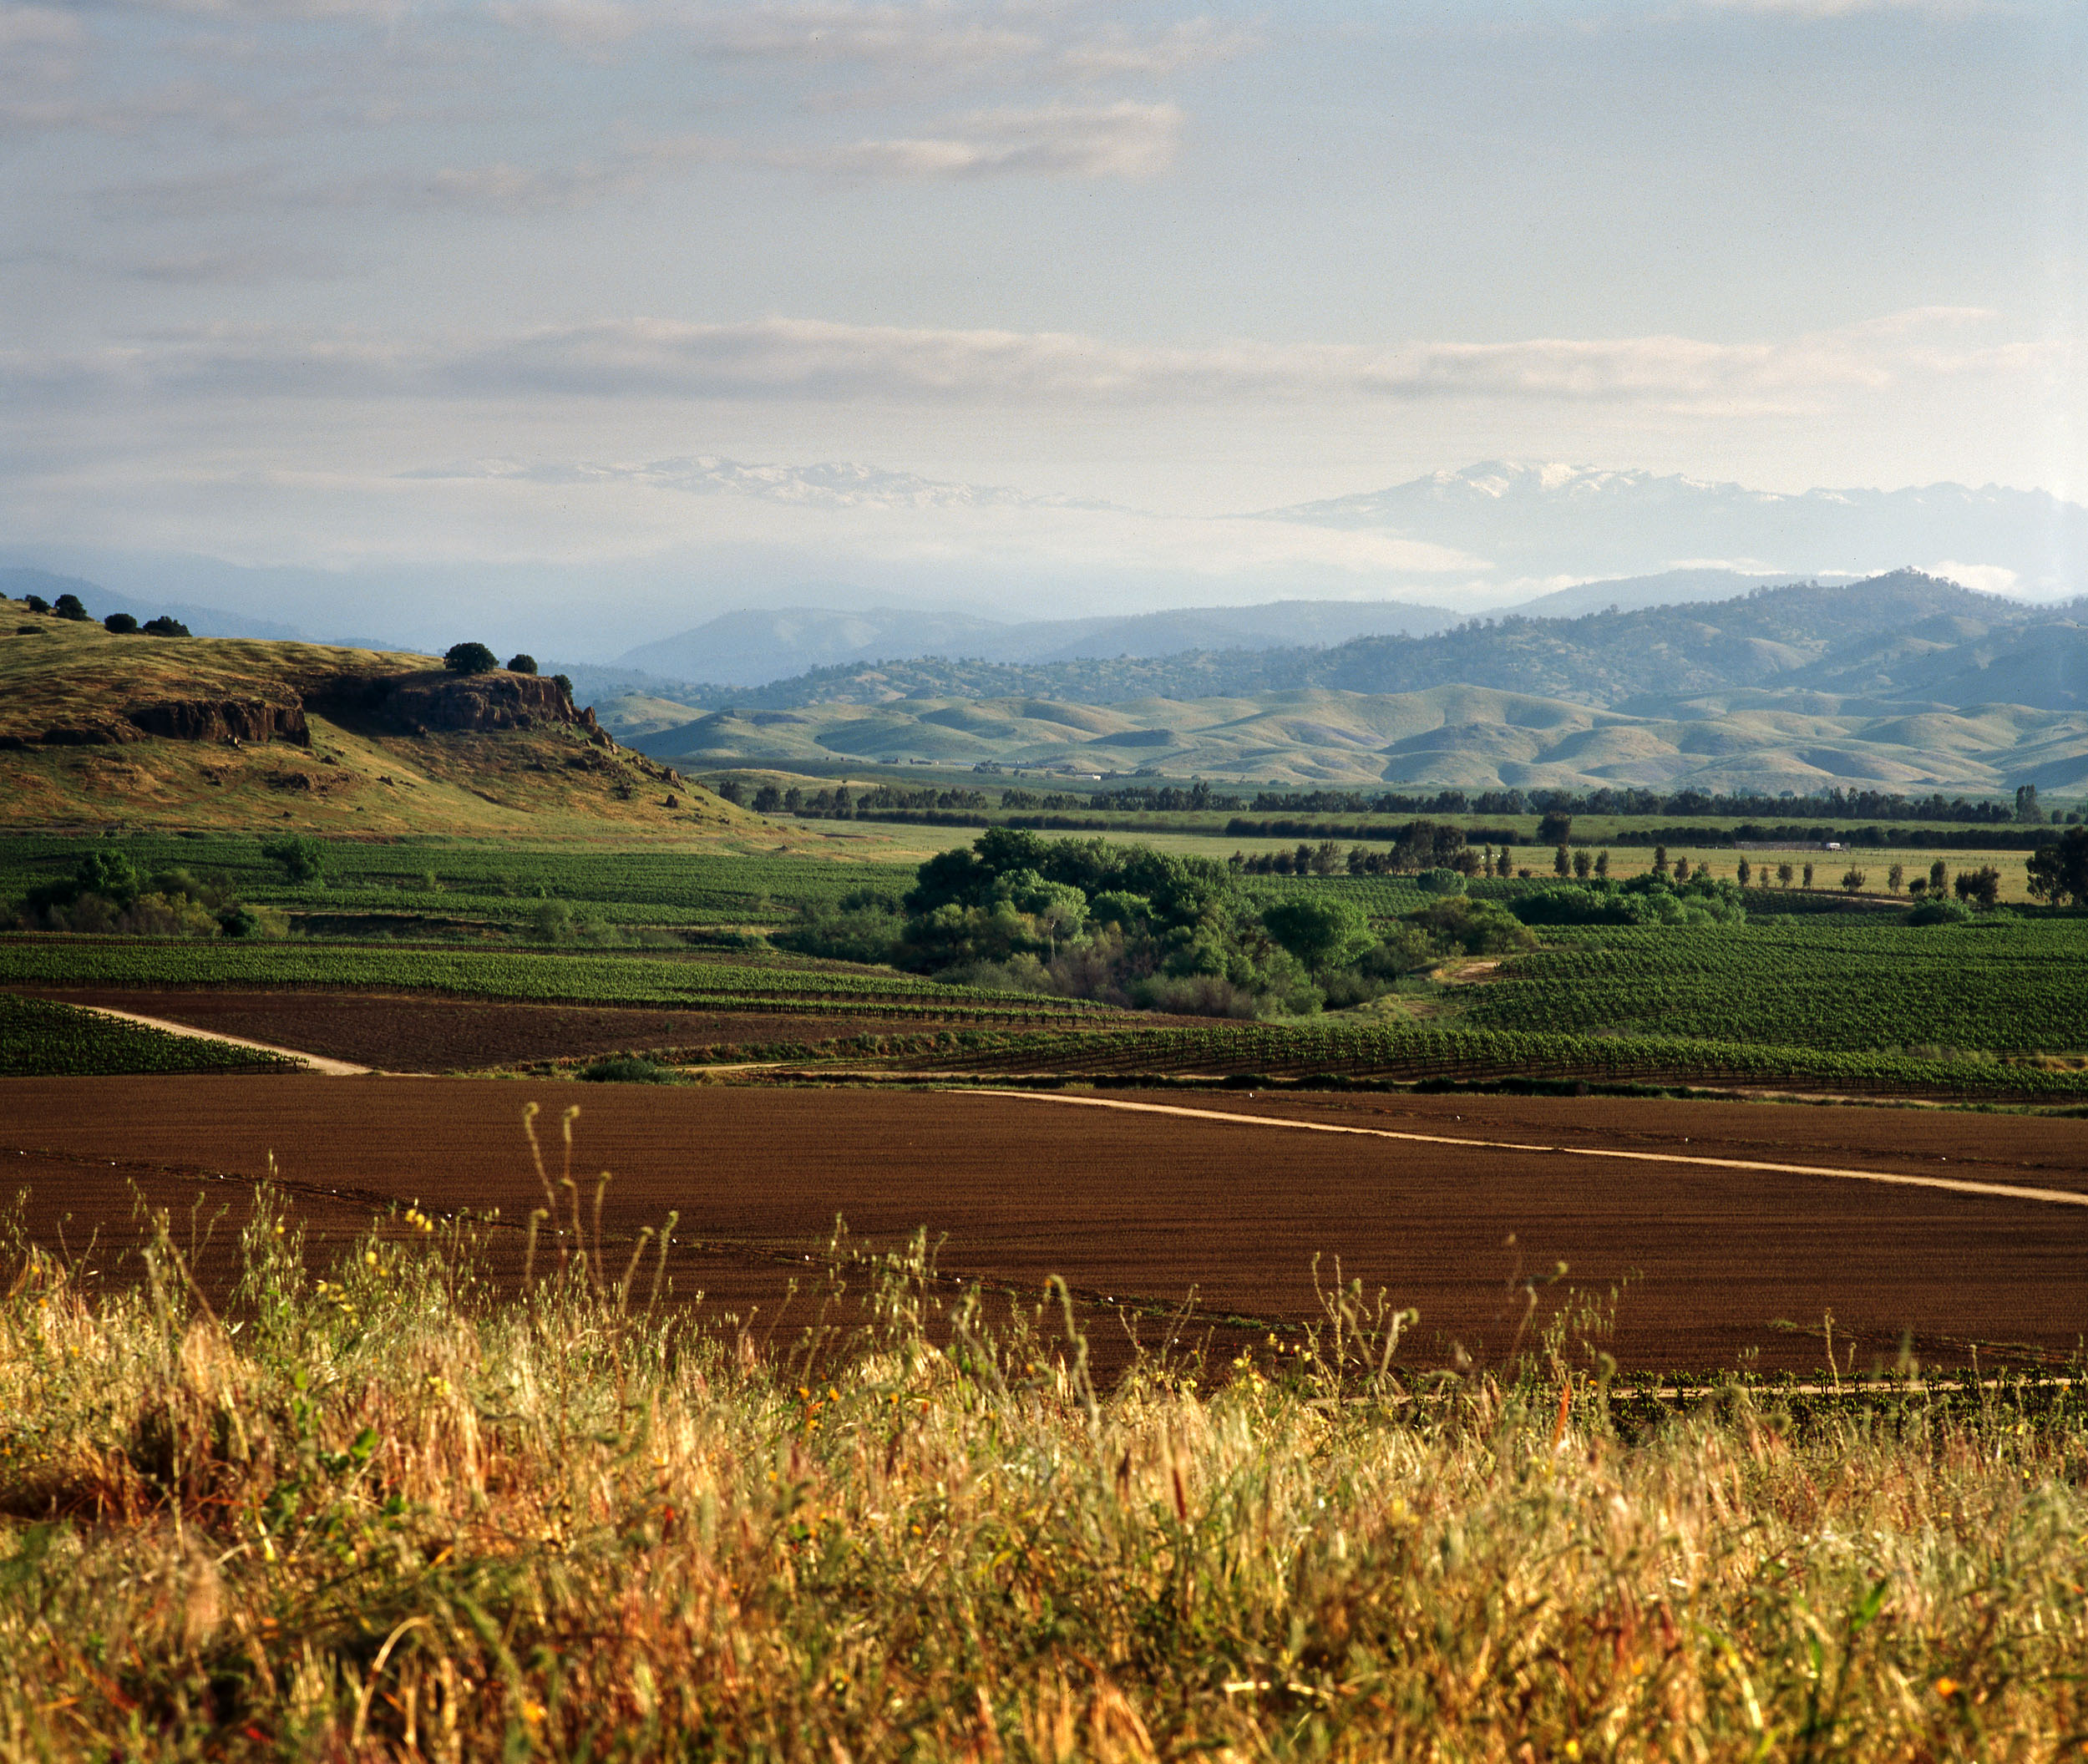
[
  {"x": 422, "y": 703},
  {"x": 496, "y": 700},
  {"x": 246, "y": 720}
]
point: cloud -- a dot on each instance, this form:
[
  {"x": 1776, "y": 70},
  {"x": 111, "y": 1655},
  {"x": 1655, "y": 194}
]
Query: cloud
[
  {"x": 1114, "y": 51},
  {"x": 817, "y": 361},
  {"x": 1121, "y": 140},
  {"x": 1985, "y": 578}
]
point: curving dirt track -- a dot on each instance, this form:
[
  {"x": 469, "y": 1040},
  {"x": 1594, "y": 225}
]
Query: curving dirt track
[
  {"x": 429, "y": 1032},
  {"x": 1143, "y": 1206}
]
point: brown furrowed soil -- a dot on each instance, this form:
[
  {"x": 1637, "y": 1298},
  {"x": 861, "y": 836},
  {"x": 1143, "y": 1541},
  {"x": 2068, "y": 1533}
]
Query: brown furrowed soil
[
  {"x": 1724, "y": 1269},
  {"x": 421, "y": 1032}
]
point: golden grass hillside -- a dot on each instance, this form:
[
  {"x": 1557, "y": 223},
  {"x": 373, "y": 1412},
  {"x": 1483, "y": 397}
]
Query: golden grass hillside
[{"x": 97, "y": 728}]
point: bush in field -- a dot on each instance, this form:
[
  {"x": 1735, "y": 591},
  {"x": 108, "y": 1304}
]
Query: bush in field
[
  {"x": 522, "y": 664},
  {"x": 1323, "y": 931},
  {"x": 1651, "y": 898},
  {"x": 1938, "y": 909},
  {"x": 1461, "y": 925},
  {"x": 627, "y": 1068},
  {"x": 164, "y": 626},
  {"x": 1980, "y": 887},
  {"x": 68, "y": 606},
  {"x": 106, "y": 895},
  {"x": 865, "y": 925},
  {"x": 303, "y": 859},
  {"x": 1441, "y": 882},
  {"x": 119, "y": 624}
]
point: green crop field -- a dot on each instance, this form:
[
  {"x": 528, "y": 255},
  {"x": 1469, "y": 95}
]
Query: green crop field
[
  {"x": 489, "y": 879},
  {"x": 590, "y": 976},
  {"x": 1814, "y": 988},
  {"x": 2003, "y": 986},
  {"x": 1405, "y": 1053},
  {"x": 40, "y": 1039}
]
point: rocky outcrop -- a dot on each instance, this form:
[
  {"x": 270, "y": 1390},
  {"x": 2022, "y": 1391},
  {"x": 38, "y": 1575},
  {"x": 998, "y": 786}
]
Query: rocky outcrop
[
  {"x": 244, "y": 719},
  {"x": 494, "y": 701},
  {"x": 423, "y": 702}
]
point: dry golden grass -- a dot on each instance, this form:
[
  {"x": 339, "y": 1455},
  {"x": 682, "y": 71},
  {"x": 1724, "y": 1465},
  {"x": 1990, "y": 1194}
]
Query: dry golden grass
[
  {"x": 387, "y": 1516},
  {"x": 359, "y": 779}
]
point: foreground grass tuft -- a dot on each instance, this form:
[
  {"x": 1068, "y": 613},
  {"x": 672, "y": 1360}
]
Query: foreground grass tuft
[{"x": 386, "y": 1514}]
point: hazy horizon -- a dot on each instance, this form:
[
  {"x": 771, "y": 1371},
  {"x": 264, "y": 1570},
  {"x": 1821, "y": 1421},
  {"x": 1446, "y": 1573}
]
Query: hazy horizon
[{"x": 472, "y": 308}]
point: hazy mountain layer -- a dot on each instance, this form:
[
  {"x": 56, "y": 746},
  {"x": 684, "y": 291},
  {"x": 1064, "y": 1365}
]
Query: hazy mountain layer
[{"x": 750, "y": 647}]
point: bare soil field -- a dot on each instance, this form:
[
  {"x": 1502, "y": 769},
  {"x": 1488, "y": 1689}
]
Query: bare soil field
[
  {"x": 1720, "y": 1269},
  {"x": 423, "y": 1032}
]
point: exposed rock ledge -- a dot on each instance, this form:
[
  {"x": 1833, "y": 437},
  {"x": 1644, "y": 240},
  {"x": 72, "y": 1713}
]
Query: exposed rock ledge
[
  {"x": 254, "y": 720},
  {"x": 419, "y": 703}
]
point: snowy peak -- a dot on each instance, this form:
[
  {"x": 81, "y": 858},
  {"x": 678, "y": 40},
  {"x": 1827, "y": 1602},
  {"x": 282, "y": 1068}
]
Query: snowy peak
[{"x": 1545, "y": 522}]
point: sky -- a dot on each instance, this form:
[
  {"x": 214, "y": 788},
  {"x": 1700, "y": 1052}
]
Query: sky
[{"x": 454, "y": 293}]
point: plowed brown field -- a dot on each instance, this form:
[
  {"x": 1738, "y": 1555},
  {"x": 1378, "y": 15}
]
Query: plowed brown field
[{"x": 1144, "y": 1207}]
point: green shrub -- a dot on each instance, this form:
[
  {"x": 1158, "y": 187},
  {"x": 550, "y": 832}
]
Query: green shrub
[
  {"x": 303, "y": 859},
  {"x": 627, "y": 1068},
  {"x": 119, "y": 624},
  {"x": 469, "y": 658}
]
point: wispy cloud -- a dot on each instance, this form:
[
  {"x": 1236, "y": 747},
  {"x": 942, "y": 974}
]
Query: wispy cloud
[
  {"x": 1123, "y": 140},
  {"x": 1119, "y": 140},
  {"x": 812, "y": 360}
]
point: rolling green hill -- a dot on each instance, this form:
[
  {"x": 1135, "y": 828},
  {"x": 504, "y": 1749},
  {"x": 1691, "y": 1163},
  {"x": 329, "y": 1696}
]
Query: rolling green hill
[
  {"x": 1462, "y": 737},
  {"x": 1903, "y": 682}
]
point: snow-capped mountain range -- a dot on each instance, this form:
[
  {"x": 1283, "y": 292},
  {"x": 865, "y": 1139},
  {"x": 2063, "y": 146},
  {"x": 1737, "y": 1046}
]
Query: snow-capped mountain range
[{"x": 1534, "y": 520}]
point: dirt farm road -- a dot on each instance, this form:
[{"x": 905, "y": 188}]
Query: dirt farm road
[{"x": 1992, "y": 1190}]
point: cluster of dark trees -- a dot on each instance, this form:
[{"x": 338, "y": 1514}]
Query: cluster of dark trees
[
  {"x": 1831, "y": 804},
  {"x": 838, "y": 803},
  {"x": 1417, "y": 847},
  {"x": 2059, "y": 871},
  {"x": 475, "y": 658},
  {"x": 1131, "y": 799},
  {"x": 118, "y": 624},
  {"x": 1096, "y": 919}
]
